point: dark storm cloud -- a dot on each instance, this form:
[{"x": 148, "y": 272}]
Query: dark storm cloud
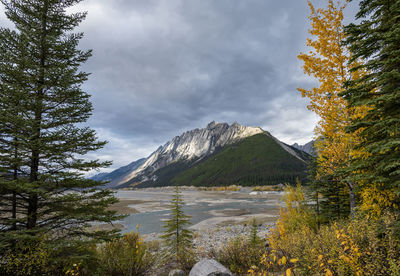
[{"x": 161, "y": 67}]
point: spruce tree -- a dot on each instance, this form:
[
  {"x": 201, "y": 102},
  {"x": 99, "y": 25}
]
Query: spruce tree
[
  {"x": 254, "y": 240},
  {"x": 42, "y": 137},
  {"x": 315, "y": 186},
  {"x": 376, "y": 39},
  {"x": 335, "y": 203},
  {"x": 177, "y": 238}
]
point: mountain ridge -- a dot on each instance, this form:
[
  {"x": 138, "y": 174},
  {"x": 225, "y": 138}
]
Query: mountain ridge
[
  {"x": 308, "y": 147},
  {"x": 192, "y": 144},
  {"x": 116, "y": 175},
  {"x": 191, "y": 147},
  {"x": 255, "y": 160}
]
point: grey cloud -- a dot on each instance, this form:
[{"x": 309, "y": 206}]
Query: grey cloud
[{"x": 161, "y": 67}]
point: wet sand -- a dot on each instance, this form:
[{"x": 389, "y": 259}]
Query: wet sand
[{"x": 125, "y": 206}]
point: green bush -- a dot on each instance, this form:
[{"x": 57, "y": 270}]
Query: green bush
[{"x": 127, "y": 256}]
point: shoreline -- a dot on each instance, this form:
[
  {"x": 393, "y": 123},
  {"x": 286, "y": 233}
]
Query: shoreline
[{"x": 220, "y": 221}]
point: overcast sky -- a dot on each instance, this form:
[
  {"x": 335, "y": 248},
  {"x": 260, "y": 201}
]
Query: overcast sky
[{"x": 161, "y": 67}]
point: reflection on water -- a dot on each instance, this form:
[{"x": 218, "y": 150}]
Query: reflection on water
[{"x": 200, "y": 205}]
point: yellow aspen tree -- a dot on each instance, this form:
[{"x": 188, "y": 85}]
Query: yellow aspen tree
[{"x": 328, "y": 63}]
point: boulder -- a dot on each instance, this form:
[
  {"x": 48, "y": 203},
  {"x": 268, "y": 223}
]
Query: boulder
[
  {"x": 177, "y": 272},
  {"x": 209, "y": 267}
]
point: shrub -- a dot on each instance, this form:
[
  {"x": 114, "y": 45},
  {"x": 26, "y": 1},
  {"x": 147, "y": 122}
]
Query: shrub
[
  {"x": 240, "y": 254},
  {"x": 27, "y": 258},
  {"x": 295, "y": 215},
  {"x": 49, "y": 257},
  {"x": 126, "y": 256},
  {"x": 350, "y": 247}
]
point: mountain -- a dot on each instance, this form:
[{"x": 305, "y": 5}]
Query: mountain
[
  {"x": 252, "y": 161},
  {"x": 115, "y": 177},
  {"x": 99, "y": 177},
  {"x": 309, "y": 147},
  {"x": 219, "y": 154}
]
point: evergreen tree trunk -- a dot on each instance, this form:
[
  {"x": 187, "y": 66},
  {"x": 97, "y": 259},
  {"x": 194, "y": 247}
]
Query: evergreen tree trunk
[
  {"x": 35, "y": 158},
  {"x": 318, "y": 211},
  {"x": 14, "y": 193},
  {"x": 14, "y": 211},
  {"x": 14, "y": 203},
  {"x": 352, "y": 199},
  {"x": 34, "y": 166}
]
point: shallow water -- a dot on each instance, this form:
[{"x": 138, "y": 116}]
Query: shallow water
[{"x": 200, "y": 205}]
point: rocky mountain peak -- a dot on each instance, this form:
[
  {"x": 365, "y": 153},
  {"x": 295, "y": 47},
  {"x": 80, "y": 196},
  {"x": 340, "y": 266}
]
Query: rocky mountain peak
[
  {"x": 212, "y": 125},
  {"x": 194, "y": 144},
  {"x": 190, "y": 148},
  {"x": 236, "y": 125},
  {"x": 309, "y": 147}
]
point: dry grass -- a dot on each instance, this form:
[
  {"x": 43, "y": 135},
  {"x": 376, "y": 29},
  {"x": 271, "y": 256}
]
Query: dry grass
[
  {"x": 272, "y": 188},
  {"x": 231, "y": 188}
]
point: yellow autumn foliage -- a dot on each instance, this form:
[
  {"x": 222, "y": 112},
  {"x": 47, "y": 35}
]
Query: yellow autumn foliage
[
  {"x": 294, "y": 215},
  {"x": 375, "y": 200},
  {"x": 351, "y": 247},
  {"x": 328, "y": 63}
]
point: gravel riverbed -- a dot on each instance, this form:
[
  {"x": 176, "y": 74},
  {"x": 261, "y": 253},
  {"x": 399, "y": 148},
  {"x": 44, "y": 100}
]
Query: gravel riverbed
[
  {"x": 217, "y": 216},
  {"x": 211, "y": 239}
]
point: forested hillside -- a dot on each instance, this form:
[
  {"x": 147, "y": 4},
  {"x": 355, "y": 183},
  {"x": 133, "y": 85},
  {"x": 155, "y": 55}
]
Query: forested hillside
[{"x": 257, "y": 160}]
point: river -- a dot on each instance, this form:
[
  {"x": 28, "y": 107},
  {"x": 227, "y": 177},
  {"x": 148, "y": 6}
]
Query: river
[{"x": 206, "y": 208}]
